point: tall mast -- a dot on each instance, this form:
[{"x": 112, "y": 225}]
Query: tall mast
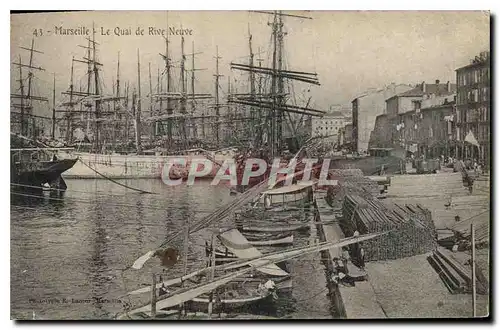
[
  {"x": 259, "y": 110},
  {"x": 280, "y": 85},
  {"x": 158, "y": 91},
  {"x": 30, "y": 74},
  {"x": 151, "y": 130},
  {"x": 183, "y": 92},
  {"x": 250, "y": 62},
  {"x": 193, "y": 103},
  {"x": 138, "y": 111},
  {"x": 69, "y": 116},
  {"x": 54, "y": 108},
  {"x": 98, "y": 101},
  {"x": 118, "y": 76},
  {"x": 233, "y": 125},
  {"x": 89, "y": 77},
  {"x": 217, "y": 105},
  {"x": 80, "y": 89},
  {"x": 117, "y": 95},
  {"x": 23, "y": 128},
  {"x": 253, "y": 122},
  {"x": 127, "y": 118},
  {"x": 273, "y": 89},
  {"x": 150, "y": 91},
  {"x": 169, "y": 86}
]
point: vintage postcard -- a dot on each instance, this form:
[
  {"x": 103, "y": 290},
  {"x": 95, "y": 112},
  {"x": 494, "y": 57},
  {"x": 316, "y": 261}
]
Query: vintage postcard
[{"x": 223, "y": 165}]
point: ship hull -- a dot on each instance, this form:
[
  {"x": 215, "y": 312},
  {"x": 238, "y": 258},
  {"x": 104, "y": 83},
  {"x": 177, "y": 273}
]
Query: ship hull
[
  {"x": 95, "y": 166},
  {"x": 39, "y": 173}
]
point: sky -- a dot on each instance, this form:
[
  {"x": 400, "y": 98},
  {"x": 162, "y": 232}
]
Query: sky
[{"x": 351, "y": 51}]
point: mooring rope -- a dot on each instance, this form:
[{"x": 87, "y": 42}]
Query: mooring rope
[{"x": 114, "y": 181}]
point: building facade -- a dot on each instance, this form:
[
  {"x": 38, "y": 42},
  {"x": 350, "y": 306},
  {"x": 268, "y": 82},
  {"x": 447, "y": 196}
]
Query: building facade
[
  {"x": 382, "y": 134},
  {"x": 345, "y": 136},
  {"x": 422, "y": 95},
  {"x": 329, "y": 125},
  {"x": 366, "y": 108},
  {"x": 436, "y": 133},
  {"x": 401, "y": 123},
  {"x": 473, "y": 112}
]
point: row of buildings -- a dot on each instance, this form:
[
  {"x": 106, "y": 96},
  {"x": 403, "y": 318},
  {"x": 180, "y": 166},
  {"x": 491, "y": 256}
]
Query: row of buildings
[
  {"x": 332, "y": 125},
  {"x": 429, "y": 119}
]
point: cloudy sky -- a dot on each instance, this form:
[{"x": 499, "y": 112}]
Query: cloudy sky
[{"x": 350, "y": 51}]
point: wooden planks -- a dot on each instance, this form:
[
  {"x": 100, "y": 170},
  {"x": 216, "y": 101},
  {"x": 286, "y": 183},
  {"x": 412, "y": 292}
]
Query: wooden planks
[
  {"x": 456, "y": 277},
  {"x": 411, "y": 227}
]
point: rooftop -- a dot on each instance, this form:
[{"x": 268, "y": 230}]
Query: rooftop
[
  {"x": 438, "y": 106},
  {"x": 482, "y": 59},
  {"x": 336, "y": 114},
  {"x": 371, "y": 91},
  {"x": 436, "y": 89}
]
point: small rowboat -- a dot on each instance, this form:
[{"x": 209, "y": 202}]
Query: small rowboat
[
  {"x": 277, "y": 229},
  {"x": 263, "y": 236},
  {"x": 234, "y": 296}
]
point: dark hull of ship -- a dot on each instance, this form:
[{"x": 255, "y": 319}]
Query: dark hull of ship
[
  {"x": 371, "y": 165},
  {"x": 38, "y": 173}
]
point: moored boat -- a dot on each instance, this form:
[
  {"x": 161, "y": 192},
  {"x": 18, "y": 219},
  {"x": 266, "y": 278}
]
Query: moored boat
[
  {"x": 35, "y": 167},
  {"x": 117, "y": 166},
  {"x": 235, "y": 296},
  {"x": 273, "y": 242}
]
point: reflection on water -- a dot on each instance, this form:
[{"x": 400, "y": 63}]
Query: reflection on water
[{"x": 70, "y": 252}]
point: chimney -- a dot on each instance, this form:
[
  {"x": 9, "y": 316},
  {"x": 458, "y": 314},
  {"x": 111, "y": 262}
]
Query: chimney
[
  {"x": 448, "y": 86},
  {"x": 423, "y": 86}
]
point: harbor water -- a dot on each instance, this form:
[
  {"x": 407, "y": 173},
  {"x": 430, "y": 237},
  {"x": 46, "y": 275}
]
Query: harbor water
[{"x": 71, "y": 253}]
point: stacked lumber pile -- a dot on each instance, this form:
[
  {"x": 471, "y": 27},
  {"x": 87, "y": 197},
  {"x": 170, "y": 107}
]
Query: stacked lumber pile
[
  {"x": 334, "y": 173},
  {"x": 427, "y": 185},
  {"x": 456, "y": 277},
  {"x": 481, "y": 221},
  {"x": 411, "y": 227}
]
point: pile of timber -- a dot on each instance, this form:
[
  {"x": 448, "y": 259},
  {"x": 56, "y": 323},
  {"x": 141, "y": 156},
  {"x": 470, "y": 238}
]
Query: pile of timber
[
  {"x": 456, "y": 277},
  {"x": 350, "y": 181},
  {"x": 427, "y": 185},
  {"x": 411, "y": 229},
  {"x": 345, "y": 172},
  {"x": 462, "y": 229}
]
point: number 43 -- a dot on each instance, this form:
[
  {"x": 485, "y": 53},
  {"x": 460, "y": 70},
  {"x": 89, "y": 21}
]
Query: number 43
[{"x": 38, "y": 32}]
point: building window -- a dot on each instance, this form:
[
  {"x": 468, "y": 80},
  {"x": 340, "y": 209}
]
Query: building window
[
  {"x": 416, "y": 105},
  {"x": 475, "y": 92}
]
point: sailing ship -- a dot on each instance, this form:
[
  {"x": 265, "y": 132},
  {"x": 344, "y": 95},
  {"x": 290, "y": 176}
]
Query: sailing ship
[
  {"x": 33, "y": 164},
  {"x": 272, "y": 117}
]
